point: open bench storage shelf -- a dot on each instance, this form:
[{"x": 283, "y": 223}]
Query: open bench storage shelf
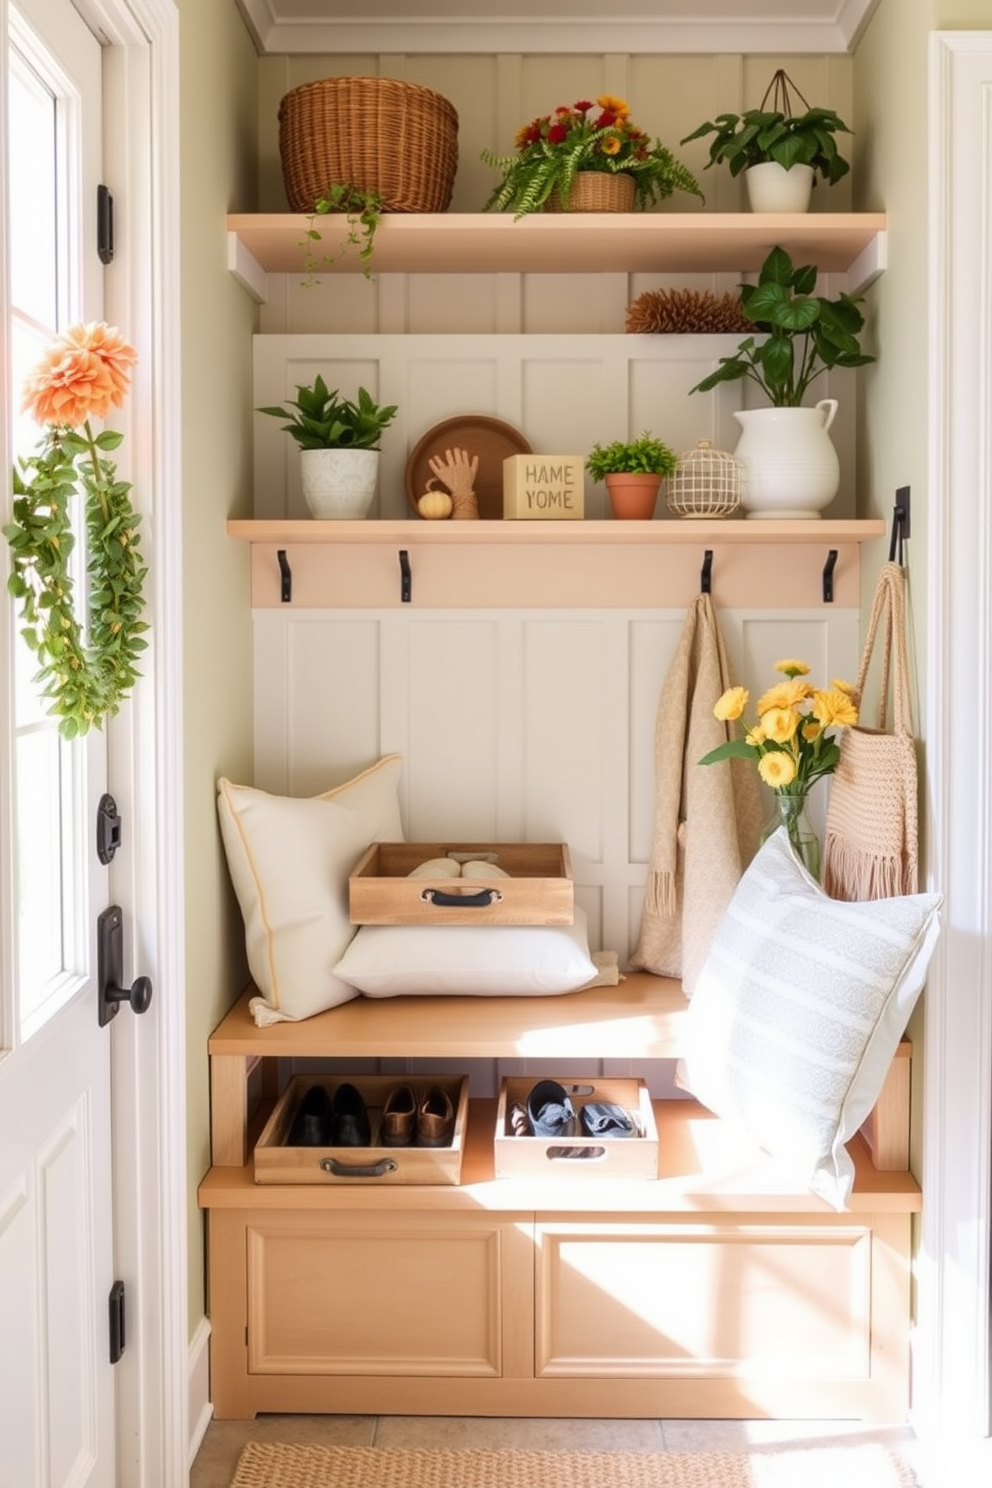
[{"x": 720, "y": 1289}]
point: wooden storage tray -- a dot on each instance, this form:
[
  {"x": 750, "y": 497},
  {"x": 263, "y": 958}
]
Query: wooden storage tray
[
  {"x": 374, "y": 1165},
  {"x": 580, "y": 1156},
  {"x": 539, "y": 890}
]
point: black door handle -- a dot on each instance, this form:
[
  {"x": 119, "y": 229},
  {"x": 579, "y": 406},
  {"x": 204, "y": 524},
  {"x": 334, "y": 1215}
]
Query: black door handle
[{"x": 110, "y": 970}]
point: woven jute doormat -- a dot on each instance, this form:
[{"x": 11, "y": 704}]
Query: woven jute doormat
[{"x": 862, "y": 1466}]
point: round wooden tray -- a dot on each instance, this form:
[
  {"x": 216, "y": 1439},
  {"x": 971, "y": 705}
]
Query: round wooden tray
[{"x": 477, "y": 434}]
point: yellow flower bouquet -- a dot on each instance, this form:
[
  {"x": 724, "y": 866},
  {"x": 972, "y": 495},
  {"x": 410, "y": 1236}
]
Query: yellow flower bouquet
[{"x": 792, "y": 741}]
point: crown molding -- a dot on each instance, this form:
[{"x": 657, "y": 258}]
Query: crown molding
[{"x": 292, "y": 27}]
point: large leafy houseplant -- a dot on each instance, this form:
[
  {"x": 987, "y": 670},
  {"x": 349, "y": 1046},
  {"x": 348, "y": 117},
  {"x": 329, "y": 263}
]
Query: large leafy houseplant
[
  {"x": 87, "y": 646},
  {"x": 804, "y": 335},
  {"x": 553, "y": 149},
  {"x": 319, "y": 418},
  {"x": 777, "y": 134}
]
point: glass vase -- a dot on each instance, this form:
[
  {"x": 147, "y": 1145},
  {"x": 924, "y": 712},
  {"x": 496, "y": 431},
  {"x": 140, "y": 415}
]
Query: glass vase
[{"x": 791, "y": 814}]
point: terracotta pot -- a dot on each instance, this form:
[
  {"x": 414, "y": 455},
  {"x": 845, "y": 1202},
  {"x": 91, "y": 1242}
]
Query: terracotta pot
[{"x": 633, "y": 497}]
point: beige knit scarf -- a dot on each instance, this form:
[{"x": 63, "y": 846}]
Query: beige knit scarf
[{"x": 707, "y": 820}]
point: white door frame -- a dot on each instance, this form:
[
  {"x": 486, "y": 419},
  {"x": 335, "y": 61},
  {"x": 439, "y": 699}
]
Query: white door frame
[
  {"x": 951, "y": 1357},
  {"x": 149, "y": 1076}
]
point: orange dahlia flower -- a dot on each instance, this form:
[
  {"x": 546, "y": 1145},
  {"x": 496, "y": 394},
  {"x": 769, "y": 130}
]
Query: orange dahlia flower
[{"x": 84, "y": 373}]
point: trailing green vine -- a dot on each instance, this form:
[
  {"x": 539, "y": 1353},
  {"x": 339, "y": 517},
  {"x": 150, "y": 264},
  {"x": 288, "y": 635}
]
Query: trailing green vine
[
  {"x": 87, "y": 651},
  {"x": 362, "y": 211}
]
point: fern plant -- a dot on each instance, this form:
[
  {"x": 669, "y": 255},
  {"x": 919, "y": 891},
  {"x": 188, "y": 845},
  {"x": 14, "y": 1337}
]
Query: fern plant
[{"x": 553, "y": 149}]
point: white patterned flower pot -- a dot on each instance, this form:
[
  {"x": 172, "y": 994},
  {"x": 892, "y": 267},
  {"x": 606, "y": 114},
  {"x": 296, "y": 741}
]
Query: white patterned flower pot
[
  {"x": 772, "y": 188},
  {"x": 790, "y": 466},
  {"x": 339, "y": 484}
]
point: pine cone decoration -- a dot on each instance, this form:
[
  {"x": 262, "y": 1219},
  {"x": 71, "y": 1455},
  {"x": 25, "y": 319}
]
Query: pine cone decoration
[{"x": 666, "y": 312}]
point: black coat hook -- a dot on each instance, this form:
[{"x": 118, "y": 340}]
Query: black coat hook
[
  {"x": 286, "y": 591},
  {"x": 900, "y": 525},
  {"x": 828, "y": 576},
  {"x": 706, "y": 573},
  {"x": 405, "y": 577}
]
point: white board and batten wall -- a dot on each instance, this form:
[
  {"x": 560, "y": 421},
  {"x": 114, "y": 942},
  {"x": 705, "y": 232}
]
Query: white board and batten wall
[{"x": 527, "y": 712}]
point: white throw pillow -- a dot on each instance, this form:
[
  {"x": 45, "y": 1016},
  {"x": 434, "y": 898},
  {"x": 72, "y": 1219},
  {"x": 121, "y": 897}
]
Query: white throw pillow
[
  {"x": 799, "y": 1010},
  {"x": 469, "y": 960},
  {"x": 289, "y": 860}
]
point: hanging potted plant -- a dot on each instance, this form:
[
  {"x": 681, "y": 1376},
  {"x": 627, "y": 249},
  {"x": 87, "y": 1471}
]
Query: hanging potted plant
[
  {"x": 339, "y": 447},
  {"x": 632, "y": 472},
  {"x": 781, "y": 152},
  {"x": 87, "y": 648},
  {"x": 586, "y": 157},
  {"x": 790, "y": 464}
]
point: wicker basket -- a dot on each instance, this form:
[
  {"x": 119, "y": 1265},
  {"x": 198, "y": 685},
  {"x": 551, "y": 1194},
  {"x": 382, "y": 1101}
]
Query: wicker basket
[
  {"x": 377, "y": 134},
  {"x": 706, "y": 482},
  {"x": 596, "y": 191}
]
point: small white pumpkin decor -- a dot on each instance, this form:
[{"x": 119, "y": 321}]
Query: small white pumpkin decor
[{"x": 434, "y": 504}]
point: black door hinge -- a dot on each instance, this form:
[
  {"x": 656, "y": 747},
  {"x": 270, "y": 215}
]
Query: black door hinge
[
  {"x": 116, "y": 1311},
  {"x": 104, "y": 225}
]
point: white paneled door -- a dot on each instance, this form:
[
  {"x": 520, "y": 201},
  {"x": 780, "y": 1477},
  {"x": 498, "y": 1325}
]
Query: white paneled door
[{"x": 57, "y": 1386}]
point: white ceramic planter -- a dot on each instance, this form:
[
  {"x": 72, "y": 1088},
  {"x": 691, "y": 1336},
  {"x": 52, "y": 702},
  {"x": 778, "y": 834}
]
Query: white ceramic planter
[
  {"x": 790, "y": 466},
  {"x": 339, "y": 484},
  {"x": 772, "y": 188}
]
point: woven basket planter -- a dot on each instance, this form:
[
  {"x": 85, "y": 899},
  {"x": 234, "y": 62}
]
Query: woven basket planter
[
  {"x": 595, "y": 191},
  {"x": 377, "y": 134}
]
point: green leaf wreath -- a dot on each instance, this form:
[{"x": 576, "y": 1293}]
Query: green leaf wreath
[{"x": 88, "y": 653}]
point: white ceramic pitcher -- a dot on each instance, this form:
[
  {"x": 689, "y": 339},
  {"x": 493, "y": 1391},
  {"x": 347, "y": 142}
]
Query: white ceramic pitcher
[{"x": 790, "y": 466}]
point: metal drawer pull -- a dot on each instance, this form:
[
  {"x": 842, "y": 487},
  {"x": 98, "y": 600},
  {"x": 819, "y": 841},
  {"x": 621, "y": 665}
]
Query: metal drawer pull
[{"x": 359, "y": 1170}]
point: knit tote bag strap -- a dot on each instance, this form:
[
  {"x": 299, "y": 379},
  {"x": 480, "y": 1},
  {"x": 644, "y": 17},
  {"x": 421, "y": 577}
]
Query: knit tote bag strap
[{"x": 888, "y": 616}]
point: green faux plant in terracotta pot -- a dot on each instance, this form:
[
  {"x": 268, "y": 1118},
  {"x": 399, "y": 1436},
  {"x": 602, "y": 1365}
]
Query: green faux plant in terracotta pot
[
  {"x": 632, "y": 471},
  {"x": 339, "y": 442}
]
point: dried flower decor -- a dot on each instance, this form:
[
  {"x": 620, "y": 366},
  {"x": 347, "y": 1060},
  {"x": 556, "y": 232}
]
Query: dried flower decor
[
  {"x": 88, "y": 652},
  {"x": 673, "y": 312}
]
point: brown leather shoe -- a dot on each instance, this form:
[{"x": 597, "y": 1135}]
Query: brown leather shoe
[
  {"x": 399, "y": 1118},
  {"x": 435, "y": 1119}
]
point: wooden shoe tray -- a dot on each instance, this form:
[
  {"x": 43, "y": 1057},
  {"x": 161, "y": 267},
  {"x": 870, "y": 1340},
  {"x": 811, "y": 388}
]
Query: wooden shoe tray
[
  {"x": 538, "y": 891},
  {"x": 578, "y": 1156},
  {"x": 374, "y": 1165}
]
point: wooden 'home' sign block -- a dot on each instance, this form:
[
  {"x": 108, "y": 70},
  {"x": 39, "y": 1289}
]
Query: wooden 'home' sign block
[{"x": 543, "y": 487}]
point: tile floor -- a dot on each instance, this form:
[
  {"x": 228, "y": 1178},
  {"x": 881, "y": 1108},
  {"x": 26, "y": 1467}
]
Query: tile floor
[{"x": 216, "y": 1460}]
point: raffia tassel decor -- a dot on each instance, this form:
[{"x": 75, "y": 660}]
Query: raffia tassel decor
[{"x": 667, "y": 312}]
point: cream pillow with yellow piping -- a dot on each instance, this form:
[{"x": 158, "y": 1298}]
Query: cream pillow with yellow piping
[{"x": 289, "y": 859}]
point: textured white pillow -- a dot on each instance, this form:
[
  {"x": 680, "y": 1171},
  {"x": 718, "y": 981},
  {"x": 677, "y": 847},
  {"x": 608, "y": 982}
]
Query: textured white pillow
[
  {"x": 799, "y": 1010},
  {"x": 469, "y": 960},
  {"x": 289, "y": 860}
]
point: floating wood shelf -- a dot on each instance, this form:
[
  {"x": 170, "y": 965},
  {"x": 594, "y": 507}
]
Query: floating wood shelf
[{"x": 848, "y": 243}]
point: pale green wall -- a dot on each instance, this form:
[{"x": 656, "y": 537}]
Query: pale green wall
[
  {"x": 890, "y": 169},
  {"x": 218, "y": 149}
]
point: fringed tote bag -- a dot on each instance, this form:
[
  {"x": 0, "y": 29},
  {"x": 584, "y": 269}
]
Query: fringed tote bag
[{"x": 871, "y": 848}]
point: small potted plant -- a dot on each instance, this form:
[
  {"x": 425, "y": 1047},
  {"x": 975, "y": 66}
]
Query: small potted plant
[
  {"x": 339, "y": 446},
  {"x": 586, "y": 157},
  {"x": 632, "y": 472},
  {"x": 790, "y": 465},
  {"x": 782, "y": 152}
]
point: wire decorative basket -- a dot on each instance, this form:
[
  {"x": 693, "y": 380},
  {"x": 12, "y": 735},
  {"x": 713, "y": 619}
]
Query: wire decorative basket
[
  {"x": 706, "y": 482},
  {"x": 376, "y": 134}
]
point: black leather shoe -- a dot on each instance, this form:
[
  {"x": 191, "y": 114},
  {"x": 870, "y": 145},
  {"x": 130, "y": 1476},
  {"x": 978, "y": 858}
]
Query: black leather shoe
[
  {"x": 350, "y": 1124},
  {"x": 312, "y": 1123}
]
